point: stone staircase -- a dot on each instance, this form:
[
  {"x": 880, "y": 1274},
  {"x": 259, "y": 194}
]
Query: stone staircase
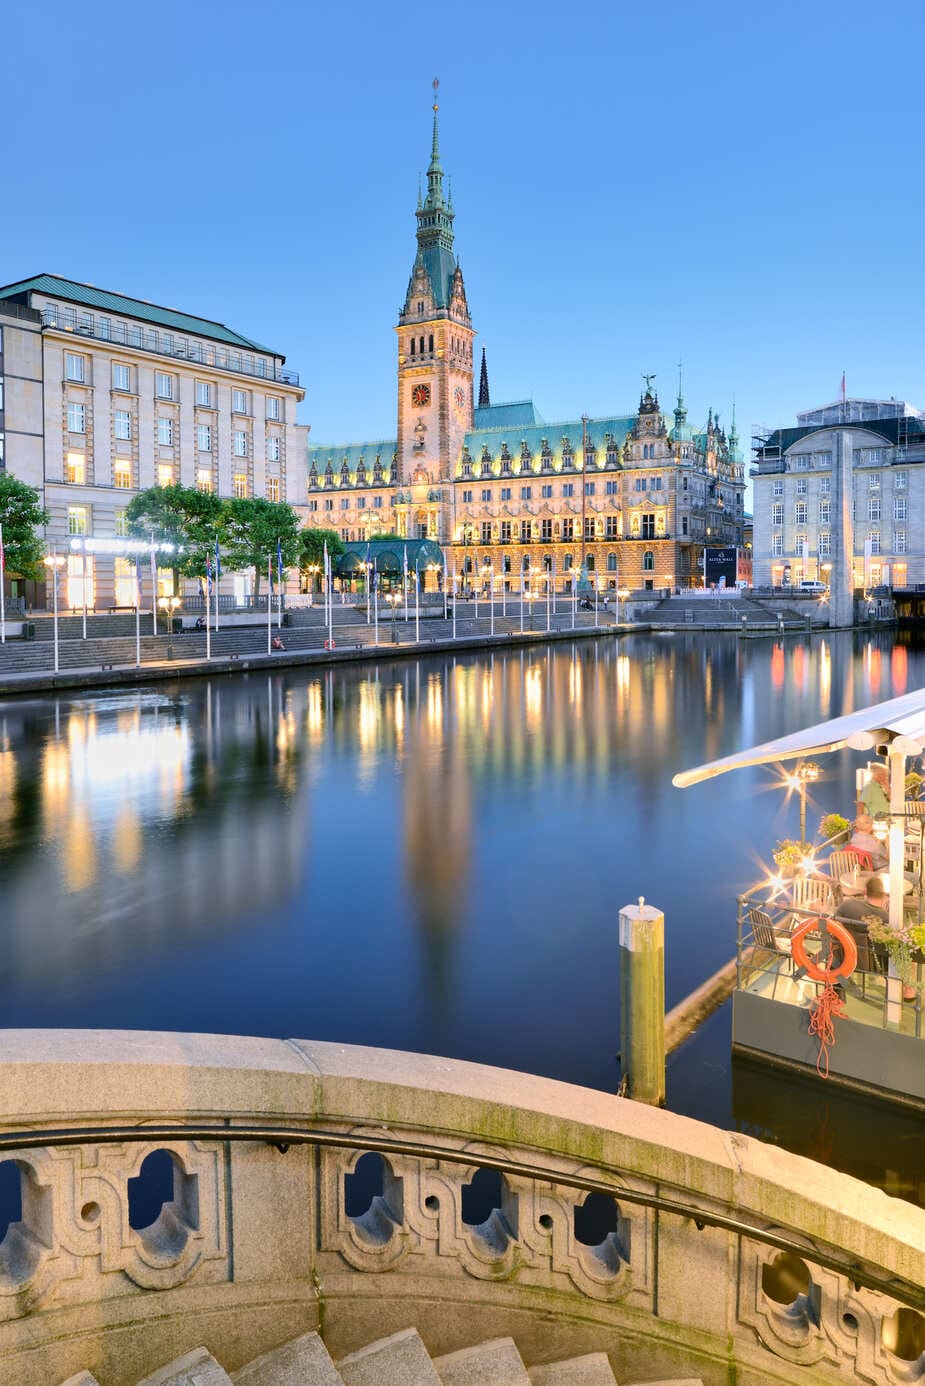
[
  {"x": 724, "y": 611},
  {"x": 399, "y": 1360}
]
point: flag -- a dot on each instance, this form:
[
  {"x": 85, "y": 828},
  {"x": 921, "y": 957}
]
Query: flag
[
  {"x": 2, "y": 554},
  {"x": 209, "y": 575},
  {"x": 218, "y": 561},
  {"x": 843, "y": 387},
  {"x": 404, "y": 566},
  {"x": 279, "y": 562},
  {"x": 138, "y": 576}
]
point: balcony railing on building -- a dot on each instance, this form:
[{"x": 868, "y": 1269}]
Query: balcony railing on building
[{"x": 166, "y": 344}]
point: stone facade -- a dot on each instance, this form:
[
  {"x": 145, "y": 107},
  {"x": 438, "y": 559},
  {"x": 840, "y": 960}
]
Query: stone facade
[
  {"x": 132, "y": 396},
  {"x": 623, "y": 501},
  {"x": 841, "y": 498}
]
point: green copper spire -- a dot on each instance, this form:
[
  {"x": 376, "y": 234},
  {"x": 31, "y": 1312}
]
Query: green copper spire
[
  {"x": 734, "y": 454},
  {"x": 435, "y": 220},
  {"x": 681, "y": 432}
]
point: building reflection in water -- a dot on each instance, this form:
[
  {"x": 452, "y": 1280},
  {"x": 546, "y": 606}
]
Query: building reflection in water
[{"x": 465, "y": 827}]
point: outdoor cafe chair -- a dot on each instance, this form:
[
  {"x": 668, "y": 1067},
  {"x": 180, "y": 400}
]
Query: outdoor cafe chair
[
  {"x": 842, "y": 863},
  {"x": 810, "y": 892},
  {"x": 770, "y": 940}
]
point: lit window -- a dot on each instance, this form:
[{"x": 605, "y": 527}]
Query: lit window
[
  {"x": 121, "y": 376},
  {"x": 163, "y": 385},
  {"x": 825, "y": 484},
  {"x": 239, "y": 485},
  {"x": 825, "y": 543},
  {"x": 873, "y": 508},
  {"x": 122, "y": 474},
  {"x": 122, "y": 423},
  {"x": 899, "y": 541},
  {"x": 77, "y": 519},
  {"x": 80, "y": 584},
  {"x": 273, "y": 409},
  {"x": 899, "y": 481},
  {"x": 273, "y": 488},
  {"x": 203, "y": 393},
  {"x": 165, "y": 474},
  {"x": 239, "y": 401},
  {"x": 240, "y": 443},
  {"x": 121, "y": 524},
  {"x": 165, "y": 432},
  {"x": 74, "y": 367},
  {"x": 76, "y": 418},
  {"x": 204, "y": 478},
  {"x": 125, "y": 582},
  {"x": 204, "y": 437},
  {"x": 272, "y": 449},
  {"x": 76, "y": 468}
]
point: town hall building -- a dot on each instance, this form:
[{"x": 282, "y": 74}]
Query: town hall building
[{"x": 629, "y": 500}]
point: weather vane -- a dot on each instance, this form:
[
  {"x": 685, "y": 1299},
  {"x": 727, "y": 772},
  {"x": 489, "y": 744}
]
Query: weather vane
[{"x": 436, "y": 85}]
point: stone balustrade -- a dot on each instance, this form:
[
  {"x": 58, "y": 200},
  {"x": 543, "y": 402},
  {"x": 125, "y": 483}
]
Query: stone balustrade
[{"x": 352, "y": 1207}]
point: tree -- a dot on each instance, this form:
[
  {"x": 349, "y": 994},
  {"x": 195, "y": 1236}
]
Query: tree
[
  {"x": 313, "y": 542},
  {"x": 252, "y": 527},
  {"x": 21, "y": 516},
  {"x": 180, "y": 515}
]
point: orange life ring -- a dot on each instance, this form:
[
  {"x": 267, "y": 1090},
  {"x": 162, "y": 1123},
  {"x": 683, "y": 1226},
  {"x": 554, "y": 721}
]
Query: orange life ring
[
  {"x": 329, "y": 644},
  {"x": 824, "y": 974}
]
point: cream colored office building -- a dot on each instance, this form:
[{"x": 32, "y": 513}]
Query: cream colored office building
[{"x": 106, "y": 395}]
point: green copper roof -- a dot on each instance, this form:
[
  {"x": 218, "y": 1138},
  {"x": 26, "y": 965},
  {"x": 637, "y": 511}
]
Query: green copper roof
[
  {"x": 440, "y": 263},
  {"x": 521, "y": 413},
  {"x": 553, "y": 433},
  {"x": 388, "y": 555},
  {"x": 352, "y": 453},
  {"x": 89, "y": 297}
]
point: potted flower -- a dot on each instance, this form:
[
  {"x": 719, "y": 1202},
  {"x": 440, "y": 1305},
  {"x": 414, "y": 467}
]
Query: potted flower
[
  {"x": 789, "y": 855},
  {"x": 835, "y": 828},
  {"x": 899, "y": 944}
]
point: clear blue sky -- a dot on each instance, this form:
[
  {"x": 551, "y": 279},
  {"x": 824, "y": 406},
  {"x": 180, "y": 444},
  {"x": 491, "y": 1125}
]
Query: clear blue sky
[{"x": 738, "y": 185}]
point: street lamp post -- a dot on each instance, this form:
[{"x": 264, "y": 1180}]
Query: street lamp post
[
  {"x": 169, "y": 605},
  {"x": 807, "y": 772},
  {"x": 53, "y": 562}
]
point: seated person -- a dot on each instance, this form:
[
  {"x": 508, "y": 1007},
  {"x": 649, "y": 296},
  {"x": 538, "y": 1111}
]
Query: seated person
[
  {"x": 874, "y": 902},
  {"x": 864, "y": 841},
  {"x": 875, "y": 794},
  {"x": 276, "y": 643}
]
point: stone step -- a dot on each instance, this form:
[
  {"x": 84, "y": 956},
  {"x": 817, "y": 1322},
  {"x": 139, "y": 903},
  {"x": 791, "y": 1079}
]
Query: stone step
[
  {"x": 304, "y": 1361},
  {"x": 494, "y": 1363},
  {"x": 670, "y": 1381},
  {"x": 399, "y": 1360},
  {"x": 591, "y": 1370},
  {"x": 196, "y": 1368}
]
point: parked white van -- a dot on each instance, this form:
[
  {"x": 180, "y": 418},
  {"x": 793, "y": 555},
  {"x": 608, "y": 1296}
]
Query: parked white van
[{"x": 813, "y": 585}]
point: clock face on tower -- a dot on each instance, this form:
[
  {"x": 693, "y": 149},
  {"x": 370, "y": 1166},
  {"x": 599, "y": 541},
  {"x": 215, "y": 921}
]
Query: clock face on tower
[
  {"x": 420, "y": 395},
  {"x": 459, "y": 396}
]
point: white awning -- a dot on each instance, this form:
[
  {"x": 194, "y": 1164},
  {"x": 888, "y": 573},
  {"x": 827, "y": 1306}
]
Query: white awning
[{"x": 861, "y": 731}]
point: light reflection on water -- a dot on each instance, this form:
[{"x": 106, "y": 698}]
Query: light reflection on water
[{"x": 429, "y": 855}]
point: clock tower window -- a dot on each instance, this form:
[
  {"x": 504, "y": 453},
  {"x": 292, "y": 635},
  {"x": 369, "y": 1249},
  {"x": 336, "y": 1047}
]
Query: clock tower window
[{"x": 430, "y": 342}]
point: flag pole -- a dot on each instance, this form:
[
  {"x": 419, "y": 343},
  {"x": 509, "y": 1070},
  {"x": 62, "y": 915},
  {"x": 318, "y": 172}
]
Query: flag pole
[
  {"x": 405, "y": 580},
  {"x": 521, "y": 598},
  {"x": 54, "y": 570},
  {"x": 83, "y": 579},
  {"x": 417, "y": 606},
  {"x": 153, "y": 587},
  {"x": 491, "y": 598},
  {"x": 218, "y": 574},
  {"x": 269, "y": 601},
  {"x": 454, "y": 603},
  {"x": 208, "y": 605},
  {"x": 137, "y": 610},
  {"x": 279, "y": 582},
  {"x": 375, "y": 604},
  {"x": 2, "y": 593}
]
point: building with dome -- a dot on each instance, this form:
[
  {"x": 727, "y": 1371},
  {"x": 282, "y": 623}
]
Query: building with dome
[{"x": 626, "y": 500}]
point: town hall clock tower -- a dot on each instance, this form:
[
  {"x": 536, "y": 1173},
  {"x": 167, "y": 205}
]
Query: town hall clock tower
[{"x": 434, "y": 366}]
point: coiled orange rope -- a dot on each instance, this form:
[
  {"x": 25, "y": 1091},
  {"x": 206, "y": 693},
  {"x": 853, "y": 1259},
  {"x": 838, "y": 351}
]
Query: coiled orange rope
[{"x": 822, "y": 1023}]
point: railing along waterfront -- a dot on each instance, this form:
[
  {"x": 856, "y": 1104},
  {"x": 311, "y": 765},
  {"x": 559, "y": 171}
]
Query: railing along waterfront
[{"x": 317, "y": 1184}]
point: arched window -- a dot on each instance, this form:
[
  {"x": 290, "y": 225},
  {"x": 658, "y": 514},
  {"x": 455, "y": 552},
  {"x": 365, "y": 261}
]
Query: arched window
[
  {"x": 430, "y": 342},
  {"x": 412, "y": 347},
  {"x": 589, "y": 562},
  {"x": 648, "y": 561},
  {"x": 422, "y": 346},
  {"x": 611, "y": 563}
]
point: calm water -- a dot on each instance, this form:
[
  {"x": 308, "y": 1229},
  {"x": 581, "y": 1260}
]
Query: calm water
[{"x": 430, "y": 856}]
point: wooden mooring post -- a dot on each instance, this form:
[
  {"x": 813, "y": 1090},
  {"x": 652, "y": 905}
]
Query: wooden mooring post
[{"x": 642, "y": 1003}]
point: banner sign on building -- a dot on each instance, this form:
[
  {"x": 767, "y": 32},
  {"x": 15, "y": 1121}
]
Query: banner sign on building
[{"x": 720, "y": 567}]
